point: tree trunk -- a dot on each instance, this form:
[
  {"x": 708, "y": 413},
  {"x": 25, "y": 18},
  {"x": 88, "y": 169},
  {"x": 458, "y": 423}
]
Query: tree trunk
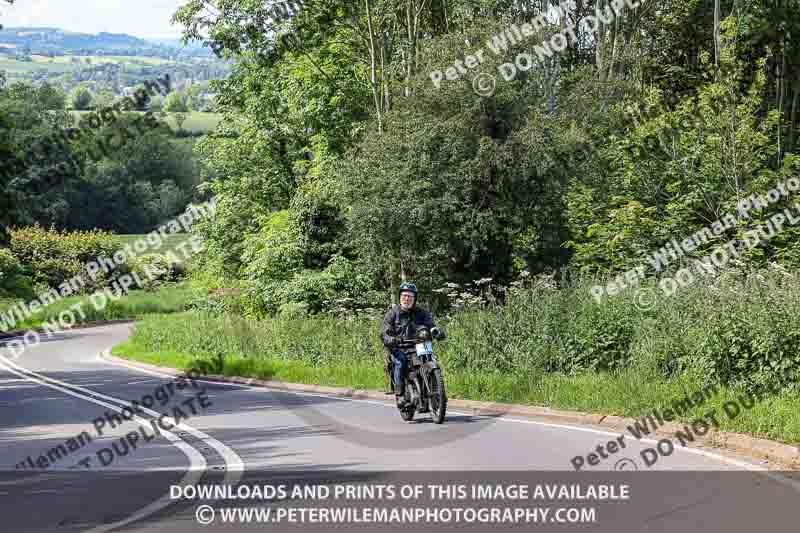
[
  {"x": 598, "y": 43},
  {"x": 413, "y": 12},
  {"x": 373, "y": 75},
  {"x": 716, "y": 33},
  {"x": 614, "y": 47},
  {"x": 410, "y": 33},
  {"x": 387, "y": 96},
  {"x": 793, "y": 119},
  {"x": 781, "y": 97}
]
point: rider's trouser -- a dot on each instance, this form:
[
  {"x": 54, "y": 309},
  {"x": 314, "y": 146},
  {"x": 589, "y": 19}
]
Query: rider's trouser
[{"x": 400, "y": 363}]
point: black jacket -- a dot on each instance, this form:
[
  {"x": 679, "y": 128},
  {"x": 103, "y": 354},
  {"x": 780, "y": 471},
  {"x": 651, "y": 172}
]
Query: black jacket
[{"x": 399, "y": 323}]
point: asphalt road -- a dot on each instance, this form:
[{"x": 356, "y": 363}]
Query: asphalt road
[{"x": 63, "y": 467}]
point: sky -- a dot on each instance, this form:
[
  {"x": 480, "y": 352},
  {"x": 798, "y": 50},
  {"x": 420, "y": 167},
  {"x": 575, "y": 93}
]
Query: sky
[{"x": 141, "y": 18}]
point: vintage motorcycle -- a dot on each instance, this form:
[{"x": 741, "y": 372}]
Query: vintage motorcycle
[{"x": 424, "y": 390}]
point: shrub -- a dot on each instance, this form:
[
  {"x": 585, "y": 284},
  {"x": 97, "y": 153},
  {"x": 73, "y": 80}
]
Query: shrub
[
  {"x": 13, "y": 281},
  {"x": 340, "y": 288},
  {"x": 162, "y": 270},
  {"x": 55, "y": 256},
  {"x": 9, "y": 265},
  {"x": 293, "y": 311},
  {"x": 218, "y": 302}
]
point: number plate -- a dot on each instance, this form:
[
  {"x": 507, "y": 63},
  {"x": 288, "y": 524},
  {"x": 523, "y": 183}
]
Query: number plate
[{"x": 424, "y": 348}]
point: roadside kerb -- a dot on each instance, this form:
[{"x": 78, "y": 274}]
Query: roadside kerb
[
  {"x": 4, "y": 335},
  {"x": 784, "y": 454}
]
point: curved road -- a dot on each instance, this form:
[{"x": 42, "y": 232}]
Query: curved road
[{"x": 57, "y": 398}]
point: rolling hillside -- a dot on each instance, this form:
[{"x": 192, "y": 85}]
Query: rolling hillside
[{"x": 55, "y": 41}]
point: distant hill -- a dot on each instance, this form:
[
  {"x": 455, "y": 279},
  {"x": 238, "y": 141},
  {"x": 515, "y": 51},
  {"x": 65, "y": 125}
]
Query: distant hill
[
  {"x": 175, "y": 42},
  {"x": 54, "y": 41}
]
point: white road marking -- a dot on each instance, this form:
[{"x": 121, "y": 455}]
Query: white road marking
[
  {"x": 196, "y": 461},
  {"x": 139, "y": 382},
  {"x": 198, "y": 465},
  {"x": 233, "y": 461}
]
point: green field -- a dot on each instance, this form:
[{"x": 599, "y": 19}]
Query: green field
[
  {"x": 62, "y": 64},
  {"x": 195, "y": 121},
  {"x": 171, "y": 243},
  {"x": 99, "y": 60},
  {"x": 14, "y": 67}
]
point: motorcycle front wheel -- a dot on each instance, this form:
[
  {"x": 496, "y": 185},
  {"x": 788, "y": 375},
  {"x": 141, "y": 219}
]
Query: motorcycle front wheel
[
  {"x": 438, "y": 397},
  {"x": 407, "y": 412}
]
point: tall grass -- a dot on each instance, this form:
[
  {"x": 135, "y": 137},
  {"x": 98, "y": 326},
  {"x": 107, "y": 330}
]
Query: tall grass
[
  {"x": 136, "y": 304},
  {"x": 559, "y": 348}
]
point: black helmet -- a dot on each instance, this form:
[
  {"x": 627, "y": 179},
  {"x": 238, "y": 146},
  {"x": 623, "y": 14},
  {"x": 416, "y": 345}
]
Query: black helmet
[{"x": 408, "y": 287}]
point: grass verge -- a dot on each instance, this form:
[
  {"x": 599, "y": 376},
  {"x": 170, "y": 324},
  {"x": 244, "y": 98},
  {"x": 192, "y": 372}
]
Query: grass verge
[
  {"x": 136, "y": 304},
  {"x": 347, "y": 353}
]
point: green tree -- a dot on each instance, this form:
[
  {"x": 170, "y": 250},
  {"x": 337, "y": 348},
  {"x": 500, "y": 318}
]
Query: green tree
[
  {"x": 103, "y": 98},
  {"x": 149, "y": 178},
  {"x": 156, "y": 103},
  {"x": 180, "y": 118},
  {"x": 37, "y": 161},
  {"x": 331, "y": 119},
  {"x": 175, "y": 102},
  {"x": 193, "y": 100},
  {"x": 52, "y": 97},
  {"x": 80, "y": 99}
]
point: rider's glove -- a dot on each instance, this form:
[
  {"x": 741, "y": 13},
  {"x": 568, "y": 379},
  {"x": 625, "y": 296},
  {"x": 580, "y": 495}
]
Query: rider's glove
[
  {"x": 437, "y": 333},
  {"x": 396, "y": 341}
]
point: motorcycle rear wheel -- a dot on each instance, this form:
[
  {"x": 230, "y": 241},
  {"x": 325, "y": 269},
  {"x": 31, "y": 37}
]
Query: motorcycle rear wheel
[{"x": 438, "y": 397}]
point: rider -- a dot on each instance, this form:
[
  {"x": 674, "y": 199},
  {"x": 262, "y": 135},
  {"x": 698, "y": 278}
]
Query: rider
[{"x": 400, "y": 329}]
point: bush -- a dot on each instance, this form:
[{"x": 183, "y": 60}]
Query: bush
[
  {"x": 13, "y": 281},
  {"x": 165, "y": 271},
  {"x": 54, "y": 256},
  {"x": 340, "y": 288},
  {"x": 218, "y": 302},
  {"x": 293, "y": 311},
  {"x": 9, "y": 265}
]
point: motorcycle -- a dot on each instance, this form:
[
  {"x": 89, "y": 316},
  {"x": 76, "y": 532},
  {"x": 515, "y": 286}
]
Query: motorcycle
[{"x": 424, "y": 390}]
